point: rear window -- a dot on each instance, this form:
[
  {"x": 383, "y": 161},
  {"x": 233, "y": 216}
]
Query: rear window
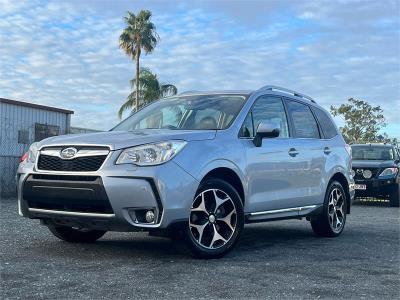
[{"x": 327, "y": 126}]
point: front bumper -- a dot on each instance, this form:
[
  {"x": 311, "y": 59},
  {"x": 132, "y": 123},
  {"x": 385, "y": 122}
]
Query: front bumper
[
  {"x": 112, "y": 198},
  {"x": 377, "y": 187}
]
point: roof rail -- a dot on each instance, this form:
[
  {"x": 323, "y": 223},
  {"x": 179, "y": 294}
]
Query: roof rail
[{"x": 284, "y": 90}]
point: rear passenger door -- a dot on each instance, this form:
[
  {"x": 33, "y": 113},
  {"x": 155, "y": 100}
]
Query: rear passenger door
[{"x": 307, "y": 152}]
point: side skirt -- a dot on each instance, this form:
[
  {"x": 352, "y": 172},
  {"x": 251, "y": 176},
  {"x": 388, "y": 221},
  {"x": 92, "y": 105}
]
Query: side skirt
[{"x": 284, "y": 214}]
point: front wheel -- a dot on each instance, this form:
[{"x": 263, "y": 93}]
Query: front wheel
[
  {"x": 216, "y": 219},
  {"x": 330, "y": 223},
  {"x": 76, "y": 235}
]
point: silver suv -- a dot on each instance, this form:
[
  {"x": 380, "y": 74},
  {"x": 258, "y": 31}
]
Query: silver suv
[{"x": 201, "y": 164}]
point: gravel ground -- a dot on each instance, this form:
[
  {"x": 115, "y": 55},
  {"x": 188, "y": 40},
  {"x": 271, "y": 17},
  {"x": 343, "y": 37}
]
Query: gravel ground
[{"x": 272, "y": 260}]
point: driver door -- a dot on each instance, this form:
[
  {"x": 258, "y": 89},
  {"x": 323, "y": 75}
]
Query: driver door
[{"x": 270, "y": 166}]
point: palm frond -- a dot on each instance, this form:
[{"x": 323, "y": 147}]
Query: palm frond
[
  {"x": 168, "y": 90},
  {"x": 129, "y": 104}
]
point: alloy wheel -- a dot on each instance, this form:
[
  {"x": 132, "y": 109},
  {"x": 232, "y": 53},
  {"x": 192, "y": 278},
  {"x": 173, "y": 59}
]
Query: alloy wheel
[
  {"x": 213, "y": 218},
  {"x": 336, "y": 210}
]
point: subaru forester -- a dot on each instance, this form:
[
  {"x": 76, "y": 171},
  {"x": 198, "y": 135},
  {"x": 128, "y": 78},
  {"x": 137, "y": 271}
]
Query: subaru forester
[{"x": 202, "y": 164}]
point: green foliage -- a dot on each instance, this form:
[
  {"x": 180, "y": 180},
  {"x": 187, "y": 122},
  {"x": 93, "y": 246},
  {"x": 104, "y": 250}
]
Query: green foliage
[
  {"x": 139, "y": 34},
  {"x": 150, "y": 89},
  {"x": 362, "y": 121}
]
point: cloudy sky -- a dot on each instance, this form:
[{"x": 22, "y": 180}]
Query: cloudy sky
[{"x": 65, "y": 53}]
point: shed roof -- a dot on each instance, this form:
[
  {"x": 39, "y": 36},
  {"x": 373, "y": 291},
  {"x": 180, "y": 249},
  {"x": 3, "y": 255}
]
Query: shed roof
[{"x": 33, "y": 105}]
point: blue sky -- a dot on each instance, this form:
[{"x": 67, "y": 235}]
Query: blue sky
[{"x": 65, "y": 53}]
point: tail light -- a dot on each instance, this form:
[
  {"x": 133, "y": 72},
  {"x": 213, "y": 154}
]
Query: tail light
[{"x": 23, "y": 157}]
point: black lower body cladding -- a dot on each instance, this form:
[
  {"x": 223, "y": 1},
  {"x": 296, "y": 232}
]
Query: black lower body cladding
[{"x": 66, "y": 193}]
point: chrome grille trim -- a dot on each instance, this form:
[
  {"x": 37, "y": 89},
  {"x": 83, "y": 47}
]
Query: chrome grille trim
[
  {"x": 83, "y": 150},
  {"x": 81, "y": 153}
]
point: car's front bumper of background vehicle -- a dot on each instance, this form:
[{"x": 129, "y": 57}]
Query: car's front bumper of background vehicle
[
  {"x": 377, "y": 187},
  {"x": 116, "y": 197}
]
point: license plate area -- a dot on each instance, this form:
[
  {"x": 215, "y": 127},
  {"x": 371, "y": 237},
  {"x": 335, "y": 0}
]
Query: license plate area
[{"x": 362, "y": 187}]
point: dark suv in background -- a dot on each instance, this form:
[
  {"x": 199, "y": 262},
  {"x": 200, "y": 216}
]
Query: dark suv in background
[{"x": 376, "y": 171}]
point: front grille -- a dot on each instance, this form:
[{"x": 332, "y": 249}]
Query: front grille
[
  {"x": 359, "y": 176},
  {"x": 79, "y": 164}
]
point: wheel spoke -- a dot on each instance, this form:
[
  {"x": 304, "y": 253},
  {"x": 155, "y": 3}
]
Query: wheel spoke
[
  {"x": 200, "y": 229},
  {"x": 339, "y": 209},
  {"x": 202, "y": 206},
  {"x": 227, "y": 219},
  {"x": 217, "y": 237},
  {"x": 219, "y": 201}
]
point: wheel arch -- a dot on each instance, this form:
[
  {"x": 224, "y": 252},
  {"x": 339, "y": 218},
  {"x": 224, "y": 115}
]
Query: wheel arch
[
  {"x": 345, "y": 184},
  {"x": 228, "y": 175}
]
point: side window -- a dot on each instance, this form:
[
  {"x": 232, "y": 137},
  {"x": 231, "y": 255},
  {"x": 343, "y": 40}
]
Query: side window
[
  {"x": 304, "y": 124},
  {"x": 247, "y": 127},
  {"x": 327, "y": 126},
  {"x": 269, "y": 109}
]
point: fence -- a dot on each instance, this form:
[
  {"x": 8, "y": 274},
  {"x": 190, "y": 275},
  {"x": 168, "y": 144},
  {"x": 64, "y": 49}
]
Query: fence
[{"x": 9, "y": 165}]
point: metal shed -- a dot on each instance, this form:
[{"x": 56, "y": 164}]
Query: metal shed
[{"x": 21, "y": 124}]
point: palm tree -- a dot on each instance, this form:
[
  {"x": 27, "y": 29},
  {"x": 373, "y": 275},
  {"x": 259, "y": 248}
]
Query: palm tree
[
  {"x": 138, "y": 34},
  {"x": 150, "y": 89}
]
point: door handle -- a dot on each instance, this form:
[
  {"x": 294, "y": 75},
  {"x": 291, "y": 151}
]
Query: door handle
[
  {"x": 293, "y": 152},
  {"x": 327, "y": 150}
]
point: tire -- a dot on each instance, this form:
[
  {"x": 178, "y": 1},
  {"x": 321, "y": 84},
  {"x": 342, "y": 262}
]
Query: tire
[
  {"x": 216, "y": 219},
  {"x": 73, "y": 235},
  {"x": 332, "y": 220},
  {"x": 395, "y": 197}
]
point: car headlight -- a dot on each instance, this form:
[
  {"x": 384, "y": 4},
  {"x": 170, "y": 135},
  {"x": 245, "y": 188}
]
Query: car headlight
[
  {"x": 389, "y": 172},
  {"x": 32, "y": 153},
  {"x": 150, "y": 154}
]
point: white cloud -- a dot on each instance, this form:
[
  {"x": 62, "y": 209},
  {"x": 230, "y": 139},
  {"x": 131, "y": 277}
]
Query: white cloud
[{"x": 66, "y": 53}]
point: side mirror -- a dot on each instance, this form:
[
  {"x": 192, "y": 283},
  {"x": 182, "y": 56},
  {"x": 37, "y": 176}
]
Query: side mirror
[{"x": 266, "y": 130}]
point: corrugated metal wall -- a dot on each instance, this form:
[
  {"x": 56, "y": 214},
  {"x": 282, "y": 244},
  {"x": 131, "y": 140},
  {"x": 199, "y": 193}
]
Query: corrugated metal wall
[{"x": 15, "y": 118}]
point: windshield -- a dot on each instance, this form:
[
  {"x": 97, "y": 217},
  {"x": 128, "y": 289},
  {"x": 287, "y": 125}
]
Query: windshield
[
  {"x": 199, "y": 112},
  {"x": 372, "y": 153}
]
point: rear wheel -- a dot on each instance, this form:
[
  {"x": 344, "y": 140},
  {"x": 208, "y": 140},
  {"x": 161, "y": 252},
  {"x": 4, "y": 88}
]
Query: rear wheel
[
  {"x": 395, "y": 197},
  {"x": 331, "y": 222},
  {"x": 216, "y": 219},
  {"x": 76, "y": 235}
]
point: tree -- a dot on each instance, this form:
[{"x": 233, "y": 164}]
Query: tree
[
  {"x": 362, "y": 121},
  {"x": 150, "y": 89},
  {"x": 138, "y": 34}
]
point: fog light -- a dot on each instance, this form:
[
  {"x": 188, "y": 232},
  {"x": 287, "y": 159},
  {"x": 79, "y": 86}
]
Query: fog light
[{"x": 150, "y": 216}]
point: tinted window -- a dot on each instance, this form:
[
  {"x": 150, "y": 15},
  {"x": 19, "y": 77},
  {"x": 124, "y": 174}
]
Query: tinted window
[
  {"x": 267, "y": 109},
  {"x": 304, "y": 124},
  {"x": 327, "y": 126}
]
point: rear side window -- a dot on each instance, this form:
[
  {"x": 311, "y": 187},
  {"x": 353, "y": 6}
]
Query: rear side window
[
  {"x": 304, "y": 124},
  {"x": 327, "y": 126}
]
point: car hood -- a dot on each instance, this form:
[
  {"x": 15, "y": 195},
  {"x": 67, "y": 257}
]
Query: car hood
[
  {"x": 123, "y": 139},
  {"x": 373, "y": 163}
]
